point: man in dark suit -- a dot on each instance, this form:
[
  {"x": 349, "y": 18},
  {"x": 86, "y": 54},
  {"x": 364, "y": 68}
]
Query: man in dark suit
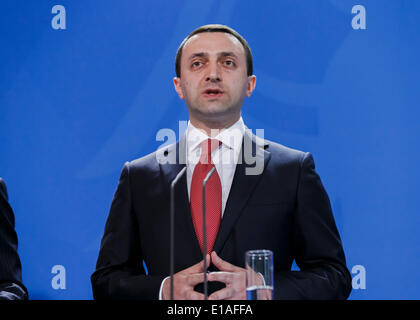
[
  {"x": 11, "y": 286},
  {"x": 262, "y": 196}
]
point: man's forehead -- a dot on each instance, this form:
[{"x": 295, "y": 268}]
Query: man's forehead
[{"x": 213, "y": 41}]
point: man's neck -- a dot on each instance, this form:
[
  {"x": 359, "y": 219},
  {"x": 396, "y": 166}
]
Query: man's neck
[{"x": 213, "y": 128}]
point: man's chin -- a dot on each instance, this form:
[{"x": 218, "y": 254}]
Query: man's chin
[
  {"x": 214, "y": 108},
  {"x": 215, "y": 117},
  {"x": 214, "y": 112}
]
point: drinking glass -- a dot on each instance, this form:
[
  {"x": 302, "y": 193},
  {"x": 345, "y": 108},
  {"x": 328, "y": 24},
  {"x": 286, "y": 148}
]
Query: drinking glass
[{"x": 259, "y": 274}]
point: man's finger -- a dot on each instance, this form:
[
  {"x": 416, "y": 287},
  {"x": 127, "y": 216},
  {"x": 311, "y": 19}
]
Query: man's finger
[
  {"x": 223, "y": 294},
  {"x": 198, "y": 267},
  {"x": 194, "y": 295},
  {"x": 226, "y": 277},
  {"x": 221, "y": 264},
  {"x": 195, "y": 278}
]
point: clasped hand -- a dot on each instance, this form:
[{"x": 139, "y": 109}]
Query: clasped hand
[{"x": 184, "y": 281}]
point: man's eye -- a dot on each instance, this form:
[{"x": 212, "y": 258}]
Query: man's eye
[
  {"x": 196, "y": 64},
  {"x": 229, "y": 63}
]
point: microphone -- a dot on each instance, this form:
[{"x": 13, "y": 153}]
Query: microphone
[
  {"x": 172, "y": 228},
  {"x": 205, "y": 232}
]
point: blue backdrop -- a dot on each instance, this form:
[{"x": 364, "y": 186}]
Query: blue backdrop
[{"x": 76, "y": 103}]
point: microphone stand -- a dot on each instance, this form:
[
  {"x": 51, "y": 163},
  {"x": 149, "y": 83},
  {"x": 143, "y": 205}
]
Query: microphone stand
[
  {"x": 204, "y": 231},
  {"x": 172, "y": 229}
]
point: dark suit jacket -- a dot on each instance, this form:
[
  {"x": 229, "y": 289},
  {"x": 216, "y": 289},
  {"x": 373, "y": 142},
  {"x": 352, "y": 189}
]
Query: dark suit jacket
[
  {"x": 11, "y": 286},
  {"x": 285, "y": 209}
]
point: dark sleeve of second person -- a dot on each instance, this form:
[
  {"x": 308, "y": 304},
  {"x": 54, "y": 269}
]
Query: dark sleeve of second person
[{"x": 11, "y": 286}]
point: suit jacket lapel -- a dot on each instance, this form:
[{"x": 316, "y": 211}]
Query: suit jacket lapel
[{"x": 243, "y": 185}]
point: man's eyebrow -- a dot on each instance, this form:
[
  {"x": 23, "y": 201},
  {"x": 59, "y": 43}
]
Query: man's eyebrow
[
  {"x": 221, "y": 54},
  {"x": 228, "y": 54},
  {"x": 197, "y": 55}
]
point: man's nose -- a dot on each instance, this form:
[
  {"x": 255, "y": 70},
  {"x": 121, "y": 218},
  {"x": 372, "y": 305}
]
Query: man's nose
[{"x": 214, "y": 74}]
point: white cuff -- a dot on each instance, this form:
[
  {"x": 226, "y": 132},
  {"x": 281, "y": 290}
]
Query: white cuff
[{"x": 161, "y": 286}]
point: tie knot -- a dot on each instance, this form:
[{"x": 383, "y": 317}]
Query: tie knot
[{"x": 207, "y": 147}]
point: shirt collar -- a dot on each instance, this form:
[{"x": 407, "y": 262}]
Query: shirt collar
[{"x": 230, "y": 137}]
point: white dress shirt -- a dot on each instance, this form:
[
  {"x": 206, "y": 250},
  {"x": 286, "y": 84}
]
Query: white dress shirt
[{"x": 224, "y": 158}]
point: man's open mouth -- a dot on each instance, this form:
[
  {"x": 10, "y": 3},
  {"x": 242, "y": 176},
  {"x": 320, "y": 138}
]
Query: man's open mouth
[{"x": 215, "y": 92}]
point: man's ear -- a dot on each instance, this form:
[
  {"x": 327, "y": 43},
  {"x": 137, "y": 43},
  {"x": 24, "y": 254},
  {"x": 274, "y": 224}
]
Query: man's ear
[
  {"x": 252, "y": 81},
  {"x": 178, "y": 89}
]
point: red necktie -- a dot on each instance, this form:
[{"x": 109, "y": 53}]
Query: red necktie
[{"x": 213, "y": 195}]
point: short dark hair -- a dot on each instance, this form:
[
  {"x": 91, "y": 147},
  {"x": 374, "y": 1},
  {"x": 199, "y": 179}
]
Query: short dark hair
[{"x": 215, "y": 28}]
